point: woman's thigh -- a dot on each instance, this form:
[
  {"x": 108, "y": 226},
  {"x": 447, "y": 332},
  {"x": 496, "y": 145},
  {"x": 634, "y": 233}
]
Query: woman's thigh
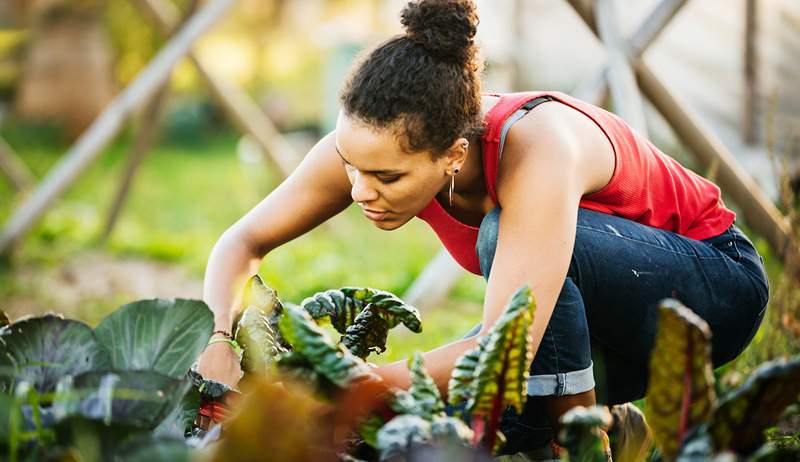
[{"x": 624, "y": 268}]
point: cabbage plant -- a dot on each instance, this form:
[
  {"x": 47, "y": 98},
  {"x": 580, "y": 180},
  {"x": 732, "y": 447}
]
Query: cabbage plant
[{"x": 121, "y": 388}]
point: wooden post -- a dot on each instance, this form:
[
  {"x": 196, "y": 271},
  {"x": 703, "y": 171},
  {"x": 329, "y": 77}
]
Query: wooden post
[
  {"x": 750, "y": 106},
  {"x": 621, "y": 82},
  {"x": 435, "y": 282},
  {"x": 759, "y": 212},
  {"x": 151, "y": 117},
  {"x": 13, "y": 167},
  {"x": 107, "y": 125}
]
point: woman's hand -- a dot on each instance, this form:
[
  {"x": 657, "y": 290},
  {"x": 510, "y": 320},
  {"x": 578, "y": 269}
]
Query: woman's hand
[{"x": 220, "y": 362}]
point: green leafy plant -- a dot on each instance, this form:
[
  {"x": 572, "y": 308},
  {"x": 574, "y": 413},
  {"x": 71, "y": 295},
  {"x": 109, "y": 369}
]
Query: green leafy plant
[
  {"x": 681, "y": 385},
  {"x": 70, "y": 388},
  {"x": 582, "y": 436},
  {"x": 687, "y": 420}
]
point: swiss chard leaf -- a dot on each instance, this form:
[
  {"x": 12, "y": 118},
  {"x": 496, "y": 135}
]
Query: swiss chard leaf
[
  {"x": 738, "y": 423},
  {"x": 401, "y": 434},
  {"x": 422, "y": 398},
  {"x": 41, "y": 350},
  {"x": 501, "y": 374},
  {"x": 462, "y": 379},
  {"x": 328, "y": 359},
  {"x": 339, "y": 307},
  {"x": 258, "y": 340},
  {"x": 371, "y": 326},
  {"x": 681, "y": 393},
  {"x": 164, "y": 336},
  {"x": 447, "y": 430}
]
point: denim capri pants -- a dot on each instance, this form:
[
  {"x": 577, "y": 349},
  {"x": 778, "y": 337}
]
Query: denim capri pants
[{"x": 603, "y": 326}]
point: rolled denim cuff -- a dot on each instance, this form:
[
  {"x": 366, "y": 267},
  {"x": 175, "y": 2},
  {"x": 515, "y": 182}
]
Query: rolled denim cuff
[{"x": 563, "y": 383}]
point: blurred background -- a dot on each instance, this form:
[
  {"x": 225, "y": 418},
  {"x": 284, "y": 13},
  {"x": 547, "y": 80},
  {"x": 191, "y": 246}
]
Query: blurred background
[{"x": 174, "y": 163}]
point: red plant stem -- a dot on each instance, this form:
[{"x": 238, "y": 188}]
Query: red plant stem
[
  {"x": 497, "y": 404},
  {"x": 687, "y": 392}
]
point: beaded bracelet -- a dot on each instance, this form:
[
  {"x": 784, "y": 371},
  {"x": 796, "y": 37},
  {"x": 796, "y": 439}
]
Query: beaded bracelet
[
  {"x": 223, "y": 332},
  {"x": 229, "y": 340}
]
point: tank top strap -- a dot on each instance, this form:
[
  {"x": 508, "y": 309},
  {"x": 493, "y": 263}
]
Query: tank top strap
[{"x": 509, "y": 109}]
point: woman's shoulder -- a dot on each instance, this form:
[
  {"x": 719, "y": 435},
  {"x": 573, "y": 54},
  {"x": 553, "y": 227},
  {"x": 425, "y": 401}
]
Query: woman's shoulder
[{"x": 553, "y": 128}]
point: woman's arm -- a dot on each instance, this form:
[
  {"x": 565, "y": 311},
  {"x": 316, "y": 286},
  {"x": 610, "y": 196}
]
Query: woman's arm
[
  {"x": 539, "y": 187},
  {"x": 317, "y": 190}
]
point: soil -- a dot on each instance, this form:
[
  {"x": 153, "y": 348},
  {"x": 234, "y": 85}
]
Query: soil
[{"x": 89, "y": 285}]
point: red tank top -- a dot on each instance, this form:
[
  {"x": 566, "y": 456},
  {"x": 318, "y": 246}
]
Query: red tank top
[{"x": 647, "y": 186}]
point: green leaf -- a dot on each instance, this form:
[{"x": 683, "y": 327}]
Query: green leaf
[
  {"x": 371, "y": 326},
  {"x": 341, "y": 307},
  {"x": 140, "y": 399},
  {"x": 447, "y": 430},
  {"x": 738, "y": 423},
  {"x": 328, "y": 359},
  {"x": 422, "y": 398},
  {"x": 151, "y": 448},
  {"x": 182, "y": 417},
  {"x": 460, "y": 388},
  {"x": 41, "y": 350},
  {"x": 259, "y": 295},
  {"x": 369, "y": 429},
  {"x": 401, "y": 434},
  {"x": 501, "y": 375},
  {"x": 296, "y": 366},
  {"x": 255, "y": 335},
  {"x": 582, "y": 434},
  {"x": 681, "y": 392},
  {"x": 338, "y": 307},
  {"x": 164, "y": 336}
]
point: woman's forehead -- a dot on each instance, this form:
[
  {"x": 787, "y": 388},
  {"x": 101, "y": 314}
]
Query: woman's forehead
[{"x": 370, "y": 148}]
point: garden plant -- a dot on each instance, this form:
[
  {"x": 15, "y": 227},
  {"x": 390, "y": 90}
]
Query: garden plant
[{"x": 125, "y": 389}]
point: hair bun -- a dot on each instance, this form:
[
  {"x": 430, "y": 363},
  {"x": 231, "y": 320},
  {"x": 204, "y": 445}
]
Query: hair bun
[{"x": 445, "y": 28}]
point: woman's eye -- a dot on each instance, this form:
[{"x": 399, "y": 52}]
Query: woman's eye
[{"x": 388, "y": 180}]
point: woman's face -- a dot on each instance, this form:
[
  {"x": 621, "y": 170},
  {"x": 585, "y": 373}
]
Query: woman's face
[{"x": 391, "y": 186}]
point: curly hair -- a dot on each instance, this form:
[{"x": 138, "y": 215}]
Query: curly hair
[{"x": 425, "y": 82}]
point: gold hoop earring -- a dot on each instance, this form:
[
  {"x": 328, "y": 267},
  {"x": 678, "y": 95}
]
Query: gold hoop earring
[{"x": 452, "y": 185}]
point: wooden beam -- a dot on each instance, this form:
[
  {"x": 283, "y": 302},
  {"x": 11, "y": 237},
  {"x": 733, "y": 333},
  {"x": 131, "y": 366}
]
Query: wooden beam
[
  {"x": 622, "y": 84},
  {"x": 759, "y": 212},
  {"x": 242, "y": 110},
  {"x": 91, "y": 143},
  {"x": 594, "y": 88},
  {"x": 151, "y": 118}
]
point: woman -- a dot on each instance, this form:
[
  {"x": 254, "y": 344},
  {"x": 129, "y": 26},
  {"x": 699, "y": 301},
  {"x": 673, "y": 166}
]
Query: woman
[{"x": 530, "y": 188}]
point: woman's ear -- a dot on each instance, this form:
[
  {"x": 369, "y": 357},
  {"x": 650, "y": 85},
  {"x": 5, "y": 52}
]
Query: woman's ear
[{"x": 456, "y": 154}]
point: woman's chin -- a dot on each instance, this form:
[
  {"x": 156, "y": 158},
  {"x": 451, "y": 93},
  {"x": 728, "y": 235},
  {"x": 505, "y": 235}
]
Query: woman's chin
[{"x": 388, "y": 224}]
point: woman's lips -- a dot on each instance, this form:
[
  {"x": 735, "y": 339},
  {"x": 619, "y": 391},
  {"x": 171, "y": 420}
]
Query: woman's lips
[{"x": 373, "y": 215}]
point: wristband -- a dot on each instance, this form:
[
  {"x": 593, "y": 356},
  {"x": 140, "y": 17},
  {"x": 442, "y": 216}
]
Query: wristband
[{"x": 233, "y": 343}]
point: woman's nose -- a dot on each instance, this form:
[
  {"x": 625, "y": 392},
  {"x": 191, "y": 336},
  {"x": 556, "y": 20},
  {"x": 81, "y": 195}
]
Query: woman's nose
[{"x": 361, "y": 190}]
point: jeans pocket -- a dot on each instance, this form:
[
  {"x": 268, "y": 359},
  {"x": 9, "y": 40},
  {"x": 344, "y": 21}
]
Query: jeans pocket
[{"x": 727, "y": 244}]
